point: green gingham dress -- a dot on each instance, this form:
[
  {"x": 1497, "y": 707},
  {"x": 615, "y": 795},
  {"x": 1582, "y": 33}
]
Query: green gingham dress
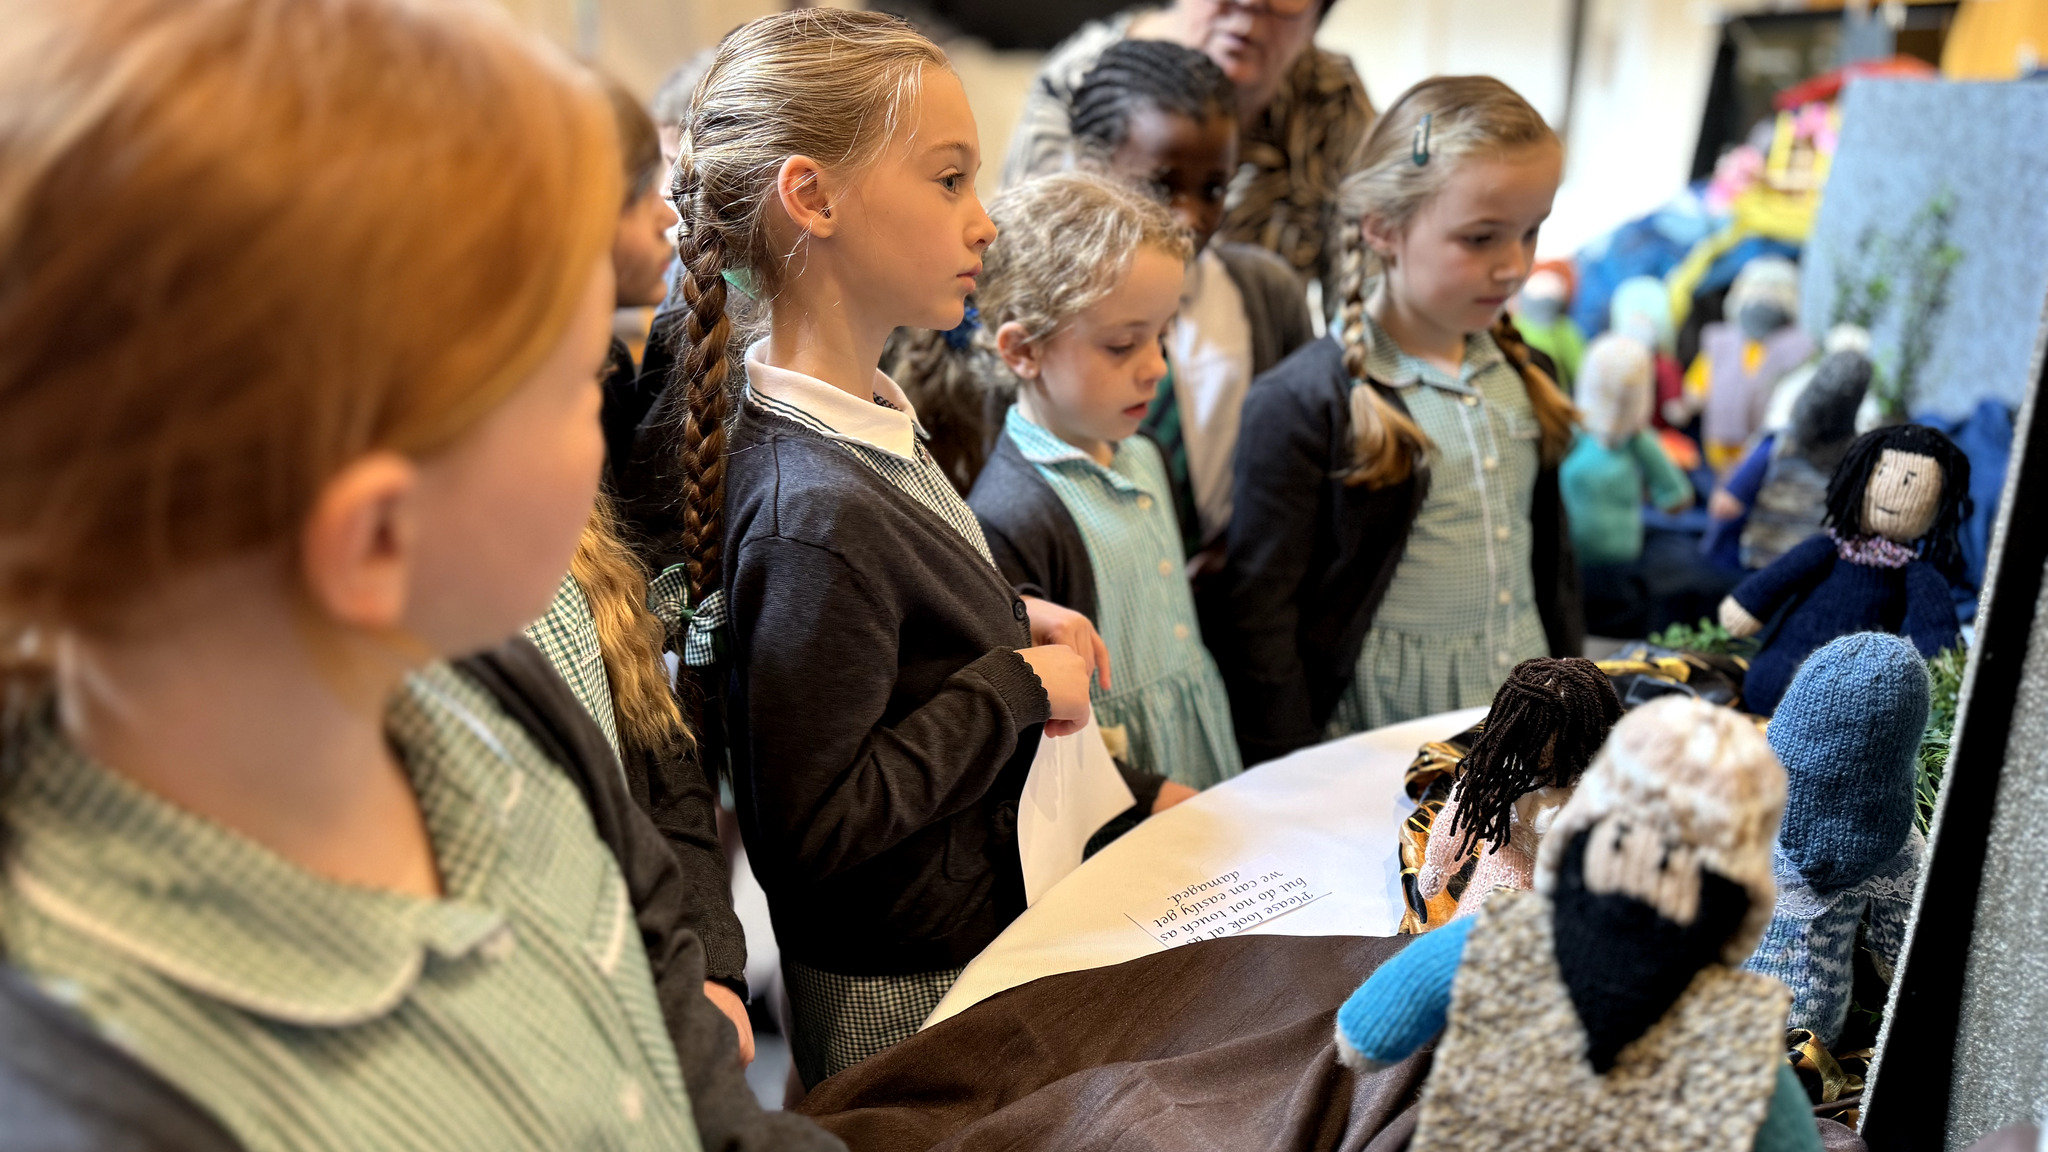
[
  {"x": 1167, "y": 694},
  {"x": 515, "y": 1011},
  {"x": 1461, "y": 610}
]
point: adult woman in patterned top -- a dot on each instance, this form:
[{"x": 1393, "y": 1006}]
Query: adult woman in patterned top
[{"x": 1302, "y": 111}]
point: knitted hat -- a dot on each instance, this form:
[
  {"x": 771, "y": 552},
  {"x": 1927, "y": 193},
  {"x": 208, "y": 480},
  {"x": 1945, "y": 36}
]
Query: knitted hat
[
  {"x": 1616, "y": 388},
  {"x": 1642, "y": 308},
  {"x": 1824, "y": 417},
  {"x": 1701, "y": 780},
  {"x": 1848, "y": 732}
]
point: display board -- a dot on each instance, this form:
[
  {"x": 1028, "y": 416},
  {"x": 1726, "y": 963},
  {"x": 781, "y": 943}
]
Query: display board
[
  {"x": 1932, "y": 234},
  {"x": 1965, "y": 1044}
]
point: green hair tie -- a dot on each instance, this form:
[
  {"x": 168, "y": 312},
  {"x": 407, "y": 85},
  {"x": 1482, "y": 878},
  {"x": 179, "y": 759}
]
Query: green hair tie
[{"x": 741, "y": 279}]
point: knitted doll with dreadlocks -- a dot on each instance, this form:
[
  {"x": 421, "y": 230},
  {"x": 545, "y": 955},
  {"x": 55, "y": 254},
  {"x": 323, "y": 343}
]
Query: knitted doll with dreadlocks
[
  {"x": 1606, "y": 1008},
  {"x": 1884, "y": 564},
  {"x": 1547, "y": 721}
]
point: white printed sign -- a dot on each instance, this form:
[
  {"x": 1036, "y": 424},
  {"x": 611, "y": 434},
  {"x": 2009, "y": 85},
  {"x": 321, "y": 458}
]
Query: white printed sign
[{"x": 1227, "y": 903}]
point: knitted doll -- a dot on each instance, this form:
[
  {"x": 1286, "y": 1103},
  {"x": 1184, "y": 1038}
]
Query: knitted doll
[
  {"x": 1789, "y": 502},
  {"x": 1894, "y": 503},
  {"x": 1741, "y": 361},
  {"x": 1546, "y": 723},
  {"x": 1641, "y": 308},
  {"x": 1614, "y": 461},
  {"x": 1848, "y": 732},
  {"x": 1541, "y": 316},
  {"x": 1604, "y": 1009}
]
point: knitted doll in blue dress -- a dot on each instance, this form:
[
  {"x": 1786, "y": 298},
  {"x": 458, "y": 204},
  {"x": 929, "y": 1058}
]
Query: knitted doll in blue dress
[
  {"x": 1848, "y": 732},
  {"x": 1894, "y": 504}
]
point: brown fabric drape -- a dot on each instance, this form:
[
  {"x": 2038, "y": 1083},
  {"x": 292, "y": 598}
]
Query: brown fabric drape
[{"x": 1225, "y": 1044}]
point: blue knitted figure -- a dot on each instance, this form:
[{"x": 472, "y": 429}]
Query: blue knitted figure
[
  {"x": 1893, "y": 504},
  {"x": 1848, "y": 732}
]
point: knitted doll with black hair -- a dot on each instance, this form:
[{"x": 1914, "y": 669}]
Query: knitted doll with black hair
[
  {"x": 1894, "y": 504},
  {"x": 1604, "y": 1009},
  {"x": 1547, "y": 721},
  {"x": 1848, "y": 732}
]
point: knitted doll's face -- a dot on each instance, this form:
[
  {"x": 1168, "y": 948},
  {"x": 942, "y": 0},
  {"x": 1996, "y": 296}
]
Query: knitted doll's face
[{"x": 1902, "y": 497}]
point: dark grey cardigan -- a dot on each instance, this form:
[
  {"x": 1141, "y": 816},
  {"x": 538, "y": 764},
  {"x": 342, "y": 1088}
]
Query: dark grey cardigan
[
  {"x": 1310, "y": 557},
  {"x": 1274, "y": 303},
  {"x": 882, "y": 721}
]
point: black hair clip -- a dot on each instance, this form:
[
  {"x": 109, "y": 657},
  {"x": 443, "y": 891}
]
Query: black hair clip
[
  {"x": 961, "y": 335},
  {"x": 1419, "y": 151}
]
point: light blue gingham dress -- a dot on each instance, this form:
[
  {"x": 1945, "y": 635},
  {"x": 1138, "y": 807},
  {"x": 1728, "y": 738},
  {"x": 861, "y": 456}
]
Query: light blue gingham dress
[
  {"x": 1167, "y": 694},
  {"x": 1461, "y": 610}
]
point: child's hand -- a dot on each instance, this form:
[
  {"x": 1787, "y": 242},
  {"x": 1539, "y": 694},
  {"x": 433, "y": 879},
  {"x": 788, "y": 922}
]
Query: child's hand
[
  {"x": 1724, "y": 506},
  {"x": 1052, "y": 624},
  {"x": 1065, "y": 679},
  {"x": 1170, "y": 794}
]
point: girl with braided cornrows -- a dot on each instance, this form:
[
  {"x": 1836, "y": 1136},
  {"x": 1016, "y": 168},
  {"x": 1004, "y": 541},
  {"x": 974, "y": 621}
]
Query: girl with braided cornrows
[
  {"x": 1165, "y": 118},
  {"x": 1546, "y": 723},
  {"x": 884, "y": 688},
  {"x": 1398, "y": 542}
]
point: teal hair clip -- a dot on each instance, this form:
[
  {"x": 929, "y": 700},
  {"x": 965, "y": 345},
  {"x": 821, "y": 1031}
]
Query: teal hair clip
[
  {"x": 741, "y": 279},
  {"x": 1419, "y": 151}
]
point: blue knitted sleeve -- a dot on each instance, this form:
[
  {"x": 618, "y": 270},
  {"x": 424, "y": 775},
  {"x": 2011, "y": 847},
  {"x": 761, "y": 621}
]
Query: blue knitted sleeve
[
  {"x": 1930, "y": 621},
  {"x": 1402, "y": 1005},
  {"x": 1807, "y": 564}
]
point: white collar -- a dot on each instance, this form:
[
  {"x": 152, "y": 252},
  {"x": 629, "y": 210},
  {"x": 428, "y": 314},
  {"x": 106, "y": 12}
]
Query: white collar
[{"x": 887, "y": 422}]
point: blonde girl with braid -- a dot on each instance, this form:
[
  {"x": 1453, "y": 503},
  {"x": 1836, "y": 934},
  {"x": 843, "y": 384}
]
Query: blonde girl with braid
[
  {"x": 883, "y": 685},
  {"x": 1079, "y": 301},
  {"x": 1399, "y": 544}
]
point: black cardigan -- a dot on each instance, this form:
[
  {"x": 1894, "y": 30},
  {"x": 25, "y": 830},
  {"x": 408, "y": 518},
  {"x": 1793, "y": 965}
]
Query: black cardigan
[
  {"x": 63, "y": 1086},
  {"x": 882, "y": 721},
  {"x": 1310, "y": 557},
  {"x": 1040, "y": 551}
]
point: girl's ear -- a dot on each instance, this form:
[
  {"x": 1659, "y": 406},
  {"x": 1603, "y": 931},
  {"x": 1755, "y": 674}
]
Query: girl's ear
[
  {"x": 358, "y": 548},
  {"x": 1018, "y": 350},
  {"x": 805, "y": 190},
  {"x": 1378, "y": 237}
]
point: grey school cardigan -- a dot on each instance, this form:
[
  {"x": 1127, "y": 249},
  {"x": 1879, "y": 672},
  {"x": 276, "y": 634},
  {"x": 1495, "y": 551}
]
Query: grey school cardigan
[{"x": 882, "y": 721}]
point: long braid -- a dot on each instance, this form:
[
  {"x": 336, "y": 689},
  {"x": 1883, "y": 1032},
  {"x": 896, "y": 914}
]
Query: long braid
[
  {"x": 1555, "y": 413},
  {"x": 702, "y": 371},
  {"x": 1156, "y": 73},
  {"x": 1547, "y": 721},
  {"x": 1385, "y": 441}
]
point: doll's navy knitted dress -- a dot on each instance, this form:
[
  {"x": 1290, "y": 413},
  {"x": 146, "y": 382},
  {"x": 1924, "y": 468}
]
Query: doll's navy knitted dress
[{"x": 1831, "y": 586}]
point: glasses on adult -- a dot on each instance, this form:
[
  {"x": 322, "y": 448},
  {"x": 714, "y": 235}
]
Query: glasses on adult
[{"x": 1276, "y": 7}]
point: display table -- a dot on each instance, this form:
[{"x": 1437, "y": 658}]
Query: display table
[{"x": 1329, "y": 813}]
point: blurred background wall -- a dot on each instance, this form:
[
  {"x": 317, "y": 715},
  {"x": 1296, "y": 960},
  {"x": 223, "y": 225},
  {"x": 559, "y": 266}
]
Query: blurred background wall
[{"x": 1643, "y": 68}]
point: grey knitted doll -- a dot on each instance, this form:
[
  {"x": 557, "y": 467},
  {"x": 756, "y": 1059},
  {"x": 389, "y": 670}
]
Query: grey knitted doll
[{"x": 1848, "y": 732}]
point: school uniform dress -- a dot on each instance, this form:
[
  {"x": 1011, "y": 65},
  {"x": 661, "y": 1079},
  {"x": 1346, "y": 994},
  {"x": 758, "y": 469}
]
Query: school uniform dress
[
  {"x": 1311, "y": 559},
  {"x": 1167, "y": 695},
  {"x": 567, "y": 635},
  {"x": 669, "y": 784},
  {"x": 1461, "y": 610},
  {"x": 516, "y": 1011},
  {"x": 883, "y": 721}
]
